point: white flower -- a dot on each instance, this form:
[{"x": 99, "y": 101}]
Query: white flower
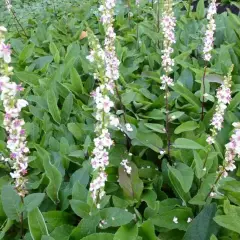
[
  {"x": 128, "y": 127},
  {"x": 114, "y": 121},
  {"x": 5, "y": 52},
  {"x": 21, "y": 103},
  {"x": 3, "y": 29},
  {"x": 127, "y": 169},
  {"x": 162, "y": 152},
  {"x": 175, "y": 220},
  {"x": 189, "y": 220}
]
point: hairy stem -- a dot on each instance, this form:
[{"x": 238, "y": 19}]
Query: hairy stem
[
  {"x": 203, "y": 92},
  {"x": 18, "y": 22},
  {"x": 21, "y": 222},
  {"x": 167, "y": 123}
]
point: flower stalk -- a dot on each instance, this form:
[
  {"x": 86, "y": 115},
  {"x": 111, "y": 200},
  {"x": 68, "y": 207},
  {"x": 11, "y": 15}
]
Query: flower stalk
[{"x": 13, "y": 123}]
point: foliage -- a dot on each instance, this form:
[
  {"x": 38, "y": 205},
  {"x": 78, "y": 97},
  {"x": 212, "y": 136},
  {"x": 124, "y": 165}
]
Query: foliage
[{"x": 58, "y": 80}]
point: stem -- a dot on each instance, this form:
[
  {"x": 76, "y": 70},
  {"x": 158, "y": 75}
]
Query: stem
[
  {"x": 167, "y": 123},
  {"x": 129, "y": 7},
  {"x": 15, "y": 17},
  {"x": 21, "y": 222},
  {"x": 189, "y": 7},
  {"x": 152, "y": 3},
  {"x": 218, "y": 178},
  {"x": 204, "y": 89},
  {"x": 124, "y": 115}
]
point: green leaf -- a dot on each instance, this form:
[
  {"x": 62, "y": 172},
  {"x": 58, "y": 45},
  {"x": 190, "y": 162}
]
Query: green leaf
[
  {"x": 28, "y": 77},
  {"x": 33, "y": 201},
  {"x": 234, "y": 102},
  {"x": 186, "y": 144},
  {"x": 79, "y": 192},
  {"x": 155, "y": 127},
  {"x": 200, "y": 9},
  {"x": 26, "y": 52},
  {"x": 186, "y": 126},
  {"x": 76, "y": 130},
  {"x": 54, "y": 51},
  {"x": 52, "y": 106},
  {"x": 76, "y": 81},
  {"x": 131, "y": 184},
  {"x": 99, "y": 236},
  {"x": 82, "y": 209},
  {"x": 62, "y": 232},
  {"x": 67, "y": 108},
  {"x": 52, "y": 173},
  {"x": 183, "y": 174},
  {"x": 47, "y": 238},
  {"x": 165, "y": 220},
  {"x": 147, "y": 230},
  {"x": 230, "y": 221},
  {"x": 36, "y": 223},
  {"x": 87, "y": 226},
  {"x": 198, "y": 165},
  {"x": 129, "y": 232},
  {"x": 11, "y": 202},
  {"x": 115, "y": 217},
  {"x": 188, "y": 95},
  {"x": 202, "y": 226},
  {"x": 150, "y": 197}
]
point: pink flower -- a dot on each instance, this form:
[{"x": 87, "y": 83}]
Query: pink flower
[{"x": 5, "y": 52}]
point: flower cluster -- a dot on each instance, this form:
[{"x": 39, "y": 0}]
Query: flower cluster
[
  {"x": 223, "y": 99},
  {"x": 232, "y": 151},
  {"x": 106, "y": 72},
  {"x": 13, "y": 124},
  {"x": 168, "y": 26},
  {"x": 127, "y": 169},
  {"x": 209, "y": 35}
]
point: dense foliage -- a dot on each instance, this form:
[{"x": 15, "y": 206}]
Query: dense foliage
[{"x": 163, "y": 175}]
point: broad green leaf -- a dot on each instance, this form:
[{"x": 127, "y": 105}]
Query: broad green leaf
[
  {"x": 99, "y": 236},
  {"x": 47, "y": 238},
  {"x": 150, "y": 197},
  {"x": 87, "y": 226},
  {"x": 186, "y": 144},
  {"x": 183, "y": 174},
  {"x": 129, "y": 231},
  {"x": 28, "y": 77},
  {"x": 76, "y": 81},
  {"x": 131, "y": 184},
  {"x": 234, "y": 102},
  {"x": 11, "y": 202},
  {"x": 54, "y": 51},
  {"x": 5, "y": 227},
  {"x": 115, "y": 217},
  {"x": 80, "y": 208},
  {"x": 52, "y": 106},
  {"x": 229, "y": 221},
  {"x": 79, "y": 192},
  {"x": 188, "y": 95},
  {"x": 200, "y": 9},
  {"x": 81, "y": 176},
  {"x": 36, "y": 223},
  {"x": 76, "y": 130},
  {"x": 26, "y": 52},
  {"x": 202, "y": 226},
  {"x": 199, "y": 165},
  {"x": 165, "y": 219},
  {"x": 186, "y": 126},
  {"x": 52, "y": 173},
  {"x": 147, "y": 231},
  {"x": 155, "y": 127},
  {"x": 67, "y": 108},
  {"x": 62, "y": 232},
  {"x": 33, "y": 201}
]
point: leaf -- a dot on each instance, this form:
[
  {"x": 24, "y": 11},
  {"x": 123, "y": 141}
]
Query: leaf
[
  {"x": 76, "y": 130},
  {"x": 80, "y": 175},
  {"x": 36, "y": 223},
  {"x": 52, "y": 106},
  {"x": 230, "y": 221},
  {"x": 165, "y": 220},
  {"x": 76, "y": 81},
  {"x": 52, "y": 173},
  {"x": 147, "y": 231},
  {"x": 99, "y": 236},
  {"x": 186, "y": 126},
  {"x": 80, "y": 208},
  {"x": 234, "y": 102},
  {"x": 186, "y": 144},
  {"x": 200, "y": 9},
  {"x": 198, "y": 165},
  {"x": 183, "y": 174},
  {"x": 131, "y": 184},
  {"x": 87, "y": 226},
  {"x": 202, "y": 226},
  {"x": 26, "y": 52},
  {"x": 62, "y": 232},
  {"x": 155, "y": 127},
  {"x": 150, "y": 197},
  {"x": 28, "y": 77},
  {"x": 54, "y": 51},
  {"x": 129, "y": 232},
  {"x": 33, "y": 201},
  {"x": 188, "y": 95},
  {"x": 47, "y": 238},
  {"x": 67, "y": 108},
  {"x": 79, "y": 192},
  {"x": 115, "y": 217},
  {"x": 11, "y": 202}
]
